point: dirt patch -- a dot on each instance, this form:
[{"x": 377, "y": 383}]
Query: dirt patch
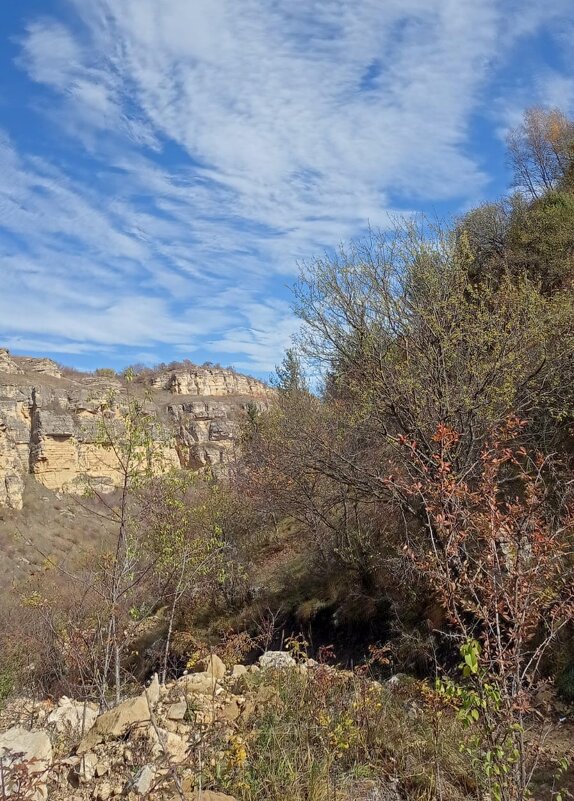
[{"x": 51, "y": 529}]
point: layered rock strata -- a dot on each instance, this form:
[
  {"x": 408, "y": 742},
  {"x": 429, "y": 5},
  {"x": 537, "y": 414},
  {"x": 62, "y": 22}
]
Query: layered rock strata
[{"x": 49, "y": 422}]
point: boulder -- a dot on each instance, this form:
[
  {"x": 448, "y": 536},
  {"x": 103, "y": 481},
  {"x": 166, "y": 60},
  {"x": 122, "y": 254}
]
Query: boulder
[
  {"x": 86, "y": 768},
  {"x": 177, "y": 711},
  {"x": 215, "y": 667},
  {"x": 74, "y": 717},
  {"x": 31, "y": 748},
  {"x": 143, "y": 781},
  {"x": 102, "y": 792},
  {"x": 211, "y": 665},
  {"x": 397, "y": 680},
  {"x": 231, "y": 711},
  {"x": 152, "y": 692},
  {"x": 166, "y": 743},
  {"x": 276, "y": 659},
  {"x": 34, "y": 746},
  {"x": 202, "y": 683},
  {"x": 116, "y": 722}
]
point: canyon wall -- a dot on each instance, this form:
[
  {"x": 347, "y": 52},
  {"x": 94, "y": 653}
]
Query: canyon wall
[{"x": 49, "y": 422}]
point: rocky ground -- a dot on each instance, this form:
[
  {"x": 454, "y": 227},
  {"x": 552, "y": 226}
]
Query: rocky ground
[
  {"x": 169, "y": 742},
  {"x": 282, "y": 729}
]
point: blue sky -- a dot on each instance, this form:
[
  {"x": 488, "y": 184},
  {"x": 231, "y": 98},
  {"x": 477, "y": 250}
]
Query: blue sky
[{"x": 164, "y": 164}]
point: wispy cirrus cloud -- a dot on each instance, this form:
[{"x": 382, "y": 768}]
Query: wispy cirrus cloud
[{"x": 192, "y": 152}]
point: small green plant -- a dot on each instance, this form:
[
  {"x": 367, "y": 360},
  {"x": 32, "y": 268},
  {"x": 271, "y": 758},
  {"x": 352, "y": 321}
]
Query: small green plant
[
  {"x": 560, "y": 793},
  {"x": 7, "y": 682},
  {"x": 491, "y": 748}
]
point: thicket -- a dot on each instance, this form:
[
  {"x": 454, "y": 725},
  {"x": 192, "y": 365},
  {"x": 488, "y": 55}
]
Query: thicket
[{"x": 431, "y": 472}]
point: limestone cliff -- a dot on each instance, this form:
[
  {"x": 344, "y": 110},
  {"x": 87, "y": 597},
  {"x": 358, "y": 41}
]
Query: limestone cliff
[
  {"x": 211, "y": 381},
  {"x": 48, "y": 421}
]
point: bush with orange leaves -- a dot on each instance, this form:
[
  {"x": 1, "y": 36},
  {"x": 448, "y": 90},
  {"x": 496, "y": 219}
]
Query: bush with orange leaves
[{"x": 498, "y": 552}]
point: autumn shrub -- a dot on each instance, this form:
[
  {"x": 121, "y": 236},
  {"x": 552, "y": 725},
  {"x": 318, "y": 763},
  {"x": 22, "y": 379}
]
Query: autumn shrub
[
  {"x": 52, "y": 644},
  {"x": 498, "y": 552},
  {"x": 19, "y": 778}
]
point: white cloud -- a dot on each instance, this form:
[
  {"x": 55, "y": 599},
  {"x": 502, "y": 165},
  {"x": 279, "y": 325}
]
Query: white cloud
[
  {"x": 213, "y": 143},
  {"x": 50, "y": 53}
]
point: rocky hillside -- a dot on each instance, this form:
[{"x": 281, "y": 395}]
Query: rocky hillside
[
  {"x": 198, "y": 738},
  {"x": 48, "y": 421},
  {"x": 281, "y": 730}
]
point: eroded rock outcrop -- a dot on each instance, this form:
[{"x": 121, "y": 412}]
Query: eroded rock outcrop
[
  {"x": 49, "y": 422},
  {"x": 215, "y": 382}
]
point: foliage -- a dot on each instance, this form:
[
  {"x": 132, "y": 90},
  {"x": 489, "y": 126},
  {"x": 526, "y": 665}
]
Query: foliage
[
  {"x": 540, "y": 241},
  {"x": 432, "y": 469},
  {"x": 498, "y": 554},
  {"x": 565, "y": 683},
  {"x": 19, "y": 780},
  {"x": 290, "y": 376},
  {"x": 407, "y": 342},
  {"x": 86, "y": 632},
  {"x": 184, "y": 541},
  {"x": 541, "y": 150}
]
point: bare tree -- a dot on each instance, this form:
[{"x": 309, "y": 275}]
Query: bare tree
[{"x": 541, "y": 150}]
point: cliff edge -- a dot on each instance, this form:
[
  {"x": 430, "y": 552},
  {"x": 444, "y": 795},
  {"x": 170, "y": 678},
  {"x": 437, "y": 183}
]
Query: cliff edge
[{"x": 48, "y": 421}]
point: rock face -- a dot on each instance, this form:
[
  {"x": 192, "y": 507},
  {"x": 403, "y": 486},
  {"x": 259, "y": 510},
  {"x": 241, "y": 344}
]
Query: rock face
[
  {"x": 49, "y": 422},
  {"x": 213, "y": 381}
]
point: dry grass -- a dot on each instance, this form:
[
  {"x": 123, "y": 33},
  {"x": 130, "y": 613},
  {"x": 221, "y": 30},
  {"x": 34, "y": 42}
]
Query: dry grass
[
  {"x": 51, "y": 530},
  {"x": 328, "y": 734}
]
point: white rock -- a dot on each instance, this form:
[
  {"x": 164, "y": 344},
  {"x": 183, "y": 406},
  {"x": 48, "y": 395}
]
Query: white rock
[
  {"x": 276, "y": 659},
  {"x": 34, "y": 747},
  {"x": 153, "y": 691},
  {"x": 102, "y": 792},
  {"x": 396, "y": 680},
  {"x": 215, "y": 667},
  {"x": 144, "y": 780},
  {"x": 101, "y": 769},
  {"x": 86, "y": 769},
  {"x": 116, "y": 722},
  {"x": 167, "y": 743},
  {"x": 74, "y": 717},
  {"x": 177, "y": 711},
  {"x": 202, "y": 683}
]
